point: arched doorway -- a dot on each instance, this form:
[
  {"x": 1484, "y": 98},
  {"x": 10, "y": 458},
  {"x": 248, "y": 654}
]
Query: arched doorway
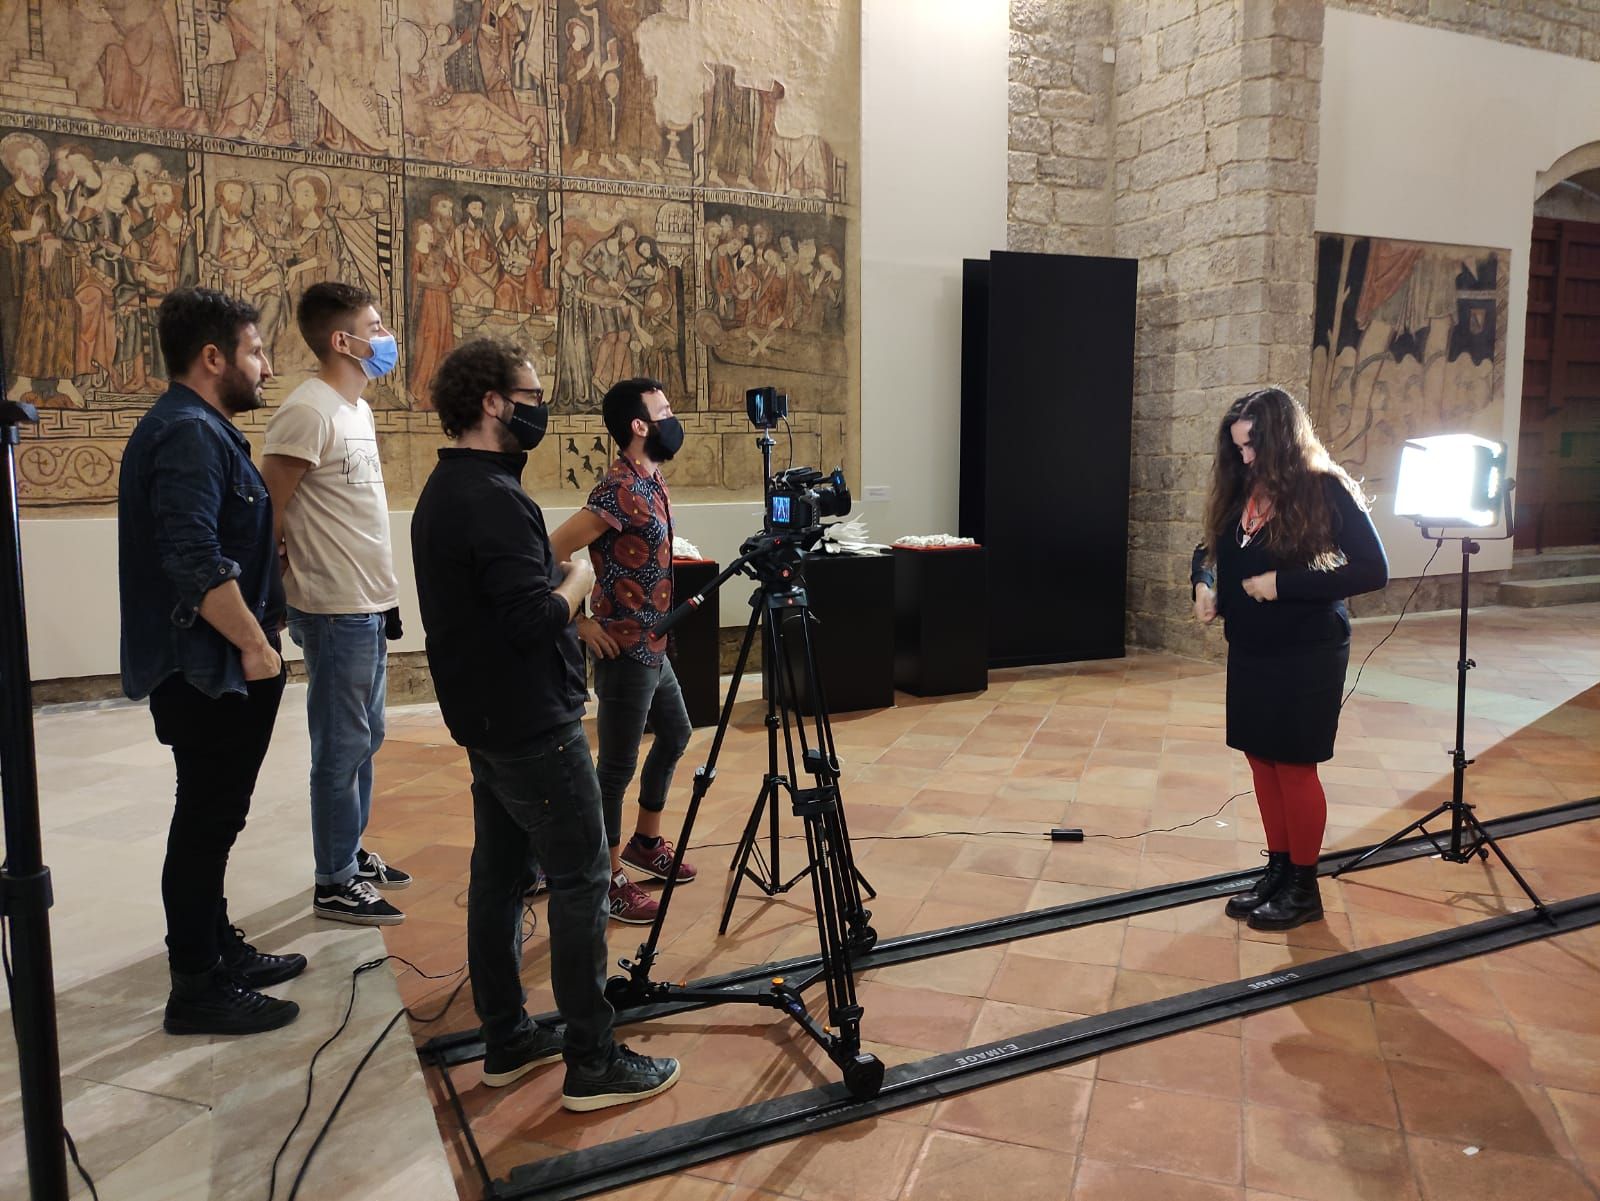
[{"x": 1558, "y": 444}]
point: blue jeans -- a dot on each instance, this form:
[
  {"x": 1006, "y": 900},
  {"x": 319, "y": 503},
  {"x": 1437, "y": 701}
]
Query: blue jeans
[
  {"x": 540, "y": 801},
  {"x": 347, "y": 668},
  {"x": 629, "y": 693}
]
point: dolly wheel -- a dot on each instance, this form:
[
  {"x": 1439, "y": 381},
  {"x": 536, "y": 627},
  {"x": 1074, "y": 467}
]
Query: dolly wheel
[
  {"x": 863, "y": 1076},
  {"x": 619, "y": 991}
]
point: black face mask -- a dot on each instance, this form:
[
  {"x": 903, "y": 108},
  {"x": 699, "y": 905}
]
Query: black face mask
[
  {"x": 527, "y": 423},
  {"x": 664, "y": 440}
]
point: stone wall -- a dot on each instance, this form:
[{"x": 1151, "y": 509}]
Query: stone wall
[
  {"x": 1560, "y": 26},
  {"x": 1210, "y": 125}
]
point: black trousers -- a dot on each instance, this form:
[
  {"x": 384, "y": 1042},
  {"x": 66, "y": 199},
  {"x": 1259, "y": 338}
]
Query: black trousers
[{"x": 218, "y": 745}]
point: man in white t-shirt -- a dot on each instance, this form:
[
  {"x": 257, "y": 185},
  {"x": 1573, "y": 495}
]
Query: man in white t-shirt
[{"x": 331, "y": 520}]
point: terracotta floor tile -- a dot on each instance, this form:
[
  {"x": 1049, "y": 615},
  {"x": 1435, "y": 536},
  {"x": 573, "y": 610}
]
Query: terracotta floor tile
[
  {"x": 1196, "y": 1061},
  {"x": 1317, "y": 1158},
  {"x": 1334, "y": 1023},
  {"x": 1099, "y": 1181},
  {"x": 1199, "y": 1136},
  {"x": 1452, "y": 1041},
  {"x": 866, "y": 1161},
  {"x": 969, "y": 973},
  {"x": 1550, "y": 1001},
  {"x": 1309, "y": 1080},
  {"x": 1492, "y": 1175},
  {"x": 1195, "y": 956},
  {"x": 914, "y": 1017},
  {"x": 1053, "y": 983},
  {"x": 1580, "y": 1115},
  {"x": 1046, "y": 1109},
  {"x": 953, "y": 1167},
  {"x": 1480, "y": 1110}
]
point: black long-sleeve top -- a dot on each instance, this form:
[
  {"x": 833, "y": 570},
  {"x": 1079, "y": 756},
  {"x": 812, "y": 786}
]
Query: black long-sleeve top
[
  {"x": 501, "y": 644},
  {"x": 1310, "y": 609}
]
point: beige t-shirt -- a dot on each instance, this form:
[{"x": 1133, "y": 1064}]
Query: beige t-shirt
[{"x": 336, "y": 529}]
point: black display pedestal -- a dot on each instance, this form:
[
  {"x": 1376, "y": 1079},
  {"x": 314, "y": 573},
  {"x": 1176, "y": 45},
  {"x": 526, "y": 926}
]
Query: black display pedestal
[
  {"x": 941, "y": 620},
  {"x": 695, "y": 648},
  {"x": 852, "y": 598}
]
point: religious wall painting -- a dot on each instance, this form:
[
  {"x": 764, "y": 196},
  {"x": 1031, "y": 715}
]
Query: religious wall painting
[
  {"x": 610, "y": 124},
  {"x": 95, "y": 234},
  {"x": 626, "y": 271},
  {"x": 480, "y": 263},
  {"x": 252, "y": 173},
  {"x": 1408, "y": 340},
  {"x": 772, "y": 309},
  {"x": 473, "y": 79},
  {"x": 269, "y": 230}
]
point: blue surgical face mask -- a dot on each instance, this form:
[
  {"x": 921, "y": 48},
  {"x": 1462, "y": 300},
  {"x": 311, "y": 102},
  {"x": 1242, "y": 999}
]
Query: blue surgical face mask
[{"x": 385, "y": 354}]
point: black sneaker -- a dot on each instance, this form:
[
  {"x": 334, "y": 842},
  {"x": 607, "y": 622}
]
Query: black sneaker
[
  {"x": 533, "y": 1048},
  {"x": 250, "y": 967},
  {"x": 356, "y": 902},
  {"x": 628, "y": 1077},
  {"x": 214, "y": 1002},
  {"x": 371, "y": 868}
]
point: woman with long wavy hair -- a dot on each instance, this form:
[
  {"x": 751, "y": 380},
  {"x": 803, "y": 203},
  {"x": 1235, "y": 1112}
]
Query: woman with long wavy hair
[{"x": 1287, "y": 539}]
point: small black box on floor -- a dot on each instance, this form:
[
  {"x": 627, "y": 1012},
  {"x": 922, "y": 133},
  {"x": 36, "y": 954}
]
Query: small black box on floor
[
  {"x": 852, "y": 597},
  {"x": 941, "y": 620},
  {"x": 693, "y": 649}
]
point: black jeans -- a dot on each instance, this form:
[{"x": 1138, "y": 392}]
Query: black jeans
[
  {"x": 217, "y": 745},
  {"x": 629, "y": 693},
  {"x": 541, "y": 801}
]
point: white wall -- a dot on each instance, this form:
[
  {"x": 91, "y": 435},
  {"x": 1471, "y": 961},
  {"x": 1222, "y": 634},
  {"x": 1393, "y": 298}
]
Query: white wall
[
  {"x": 1439, "y": 137},
  {"x": 933, "y": 191}
]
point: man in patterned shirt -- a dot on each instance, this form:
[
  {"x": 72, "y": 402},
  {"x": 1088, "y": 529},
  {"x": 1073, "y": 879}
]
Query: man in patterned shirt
[{"x": 627, "y": 526}]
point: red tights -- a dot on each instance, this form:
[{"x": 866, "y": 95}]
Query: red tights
[{"x": 1294, "y": 809}]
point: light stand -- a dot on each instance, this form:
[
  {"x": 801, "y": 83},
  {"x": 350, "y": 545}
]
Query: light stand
[
  {"x": 1468, "y": 474},
  {"x": 25, "y": 895}
]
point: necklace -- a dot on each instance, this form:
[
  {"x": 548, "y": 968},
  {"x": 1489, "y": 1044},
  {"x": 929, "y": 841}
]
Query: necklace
[{"x": 1256, "y": 515}]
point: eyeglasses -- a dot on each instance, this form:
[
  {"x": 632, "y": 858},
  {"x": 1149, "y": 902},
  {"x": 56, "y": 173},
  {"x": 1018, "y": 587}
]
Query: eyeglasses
[{"x": 536, "y": 393}]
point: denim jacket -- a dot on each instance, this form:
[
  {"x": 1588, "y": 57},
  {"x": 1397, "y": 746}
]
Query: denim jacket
[{"x": 192, "y": 513}]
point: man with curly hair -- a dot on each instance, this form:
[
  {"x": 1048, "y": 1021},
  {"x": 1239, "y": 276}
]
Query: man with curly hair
[{"x": 498, "y": 611}]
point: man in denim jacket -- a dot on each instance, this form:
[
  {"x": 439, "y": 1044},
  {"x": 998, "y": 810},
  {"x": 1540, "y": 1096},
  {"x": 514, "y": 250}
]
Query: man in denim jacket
[{"x": 201, "y": 608}]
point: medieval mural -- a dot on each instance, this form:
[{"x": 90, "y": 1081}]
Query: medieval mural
[
  {"x": 1408, "y": 340},
  {"x": 624, "y": 187}
]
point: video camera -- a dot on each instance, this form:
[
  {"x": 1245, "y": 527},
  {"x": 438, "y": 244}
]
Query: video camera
[{"x": 798, "y": 499}]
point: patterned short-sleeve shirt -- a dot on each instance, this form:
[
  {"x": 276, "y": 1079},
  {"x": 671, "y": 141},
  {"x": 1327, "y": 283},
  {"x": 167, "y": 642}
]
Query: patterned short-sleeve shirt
[{"x": 632, "y": 560}]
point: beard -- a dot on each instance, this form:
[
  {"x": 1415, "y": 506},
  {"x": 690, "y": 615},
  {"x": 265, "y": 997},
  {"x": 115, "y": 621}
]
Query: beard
[
  {"x": 237, "y": 394},
  {"x": 654, "y": 450}
]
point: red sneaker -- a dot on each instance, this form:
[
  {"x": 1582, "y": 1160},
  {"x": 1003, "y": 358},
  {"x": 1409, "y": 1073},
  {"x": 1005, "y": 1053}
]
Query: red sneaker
[
  {"x": 656, "y": 861},
  {"x": 630, "y": 903}
]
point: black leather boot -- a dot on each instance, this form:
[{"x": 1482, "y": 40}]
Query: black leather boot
[
  {"x": 1268, "y": 886},
  {"x": 214, "y": 1002},
  {"x": 1296, "y": 904}
]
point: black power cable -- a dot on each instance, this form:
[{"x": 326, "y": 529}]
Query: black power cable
[{"x": 531, "y": 921}]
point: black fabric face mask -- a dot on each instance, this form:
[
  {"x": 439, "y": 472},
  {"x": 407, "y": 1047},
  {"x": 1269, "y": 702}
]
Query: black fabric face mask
[
  {"x": 664, "y": 440},
  {"x": 527, "y": 423}
]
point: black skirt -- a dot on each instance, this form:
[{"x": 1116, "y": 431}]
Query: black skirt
[{"x": 1285, "y": 705}]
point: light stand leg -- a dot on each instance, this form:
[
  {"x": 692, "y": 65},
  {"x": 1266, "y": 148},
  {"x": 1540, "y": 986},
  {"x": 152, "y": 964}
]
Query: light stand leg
[{"x": 25, "y": 881}]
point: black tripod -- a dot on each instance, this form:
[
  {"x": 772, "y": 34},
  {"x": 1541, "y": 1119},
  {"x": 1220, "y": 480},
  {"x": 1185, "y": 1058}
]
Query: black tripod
[
  {"x": 25, "y": 895},
  {"x": 773, "y": 560},
  {"x": 1468, "y": 836}
]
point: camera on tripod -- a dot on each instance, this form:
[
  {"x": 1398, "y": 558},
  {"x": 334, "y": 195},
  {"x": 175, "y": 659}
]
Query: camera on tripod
[{"x": 797, "y": 499}]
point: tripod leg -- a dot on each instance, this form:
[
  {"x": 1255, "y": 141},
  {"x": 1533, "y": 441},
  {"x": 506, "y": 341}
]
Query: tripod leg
[
  {"x": 739, "y": 868},
  {"x": 855, "y": 911}
]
